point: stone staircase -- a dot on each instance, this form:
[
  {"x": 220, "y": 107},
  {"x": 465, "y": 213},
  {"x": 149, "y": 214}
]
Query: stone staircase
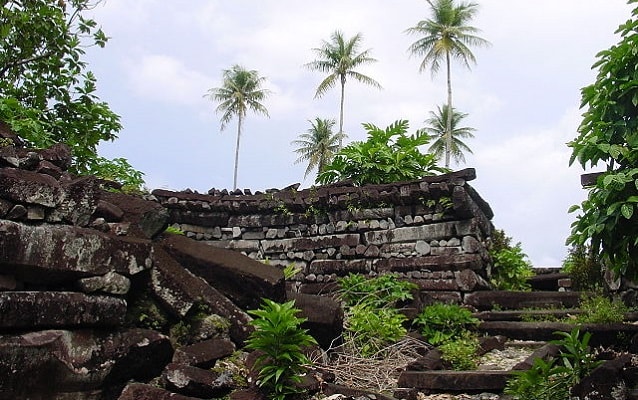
[{"x": 504, "y": 313}]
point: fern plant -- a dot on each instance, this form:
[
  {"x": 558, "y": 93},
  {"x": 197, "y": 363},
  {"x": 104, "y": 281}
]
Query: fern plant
[{"x": 281, "y": 340}]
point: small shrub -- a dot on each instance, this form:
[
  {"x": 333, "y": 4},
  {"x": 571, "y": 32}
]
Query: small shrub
[
  {"x": 461, "y": 352},
  {"x": 371, "y": 329},
  {"x": 174, "y": 230},
  {"x": 441, "y": 323},
  {"x": 279, "y": 337},
  {"x": 510, "y": 266},
  {"x": 553, "y": 379},
  {"x": 600, "y": 309},
  {"x": 583, "y": 267},
  {"x": 380, "y": 291}
]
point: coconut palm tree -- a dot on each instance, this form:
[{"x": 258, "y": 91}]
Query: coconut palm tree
[
  {"x": 436, "y": 126},
  {"x": 240, "y": 92},
  {"x": 339, "y": 57},
  {"x": 318, "y": 144},
  {"x": 447, "y": 35}
]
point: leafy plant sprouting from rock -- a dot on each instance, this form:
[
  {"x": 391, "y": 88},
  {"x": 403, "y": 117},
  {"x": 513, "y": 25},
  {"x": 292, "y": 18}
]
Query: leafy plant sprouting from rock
[
  {"x": 373, "y": 320},
  {"x": 388, "y": 155},
  {"x": 281, "y": 341},
  {"x": 441, "y": 323},
  {"x": 511, "y": 268},
  {"x": 553, "y": 378}
]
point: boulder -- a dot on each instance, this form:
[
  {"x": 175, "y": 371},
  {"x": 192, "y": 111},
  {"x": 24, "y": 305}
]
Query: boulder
[
  {"x": 58, "y": 253},
  {"x": 197, "y": 382},
  {"x": 140, "y": 391},
  {"x": 38, "y": 310},
  {"x": 178, "y": 290},
  {"x": 324, "y": 317},
  {"x": 39, "y": 364},
  {"x": 602, "y": 381},
  {"x": 147, "y": 218},
  {"x": 204, "y": 354},
  {"x": 241, "y": 279}
]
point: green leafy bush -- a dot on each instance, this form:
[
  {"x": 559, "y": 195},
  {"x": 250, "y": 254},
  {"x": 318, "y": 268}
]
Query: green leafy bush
[
  {"x": 461, "y": 352},
  {"x": 601, "y": 309},
  {"x": 553, "y": 378},
  {"x": 388, "y": 155},
  {"x": 280, "y": 339},
  {"x": 371, "y": 329},
  {"x": 386, "y": 289},
  {"x": 441, "y": 323},
  {"x": 510, "y": 266},
  {"x": 372, "y": 318},
  {"x": 583, "y": 267}
]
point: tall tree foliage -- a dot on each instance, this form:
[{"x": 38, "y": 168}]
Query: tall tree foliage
[
  {"x": 240, "y": 92},
  {"x": 608, "y": 135},
  {"x": 436, "y": 127},
  {"x": 446, "y": 35},
  {"x": 317, "y": 145},
  {"x": 339, "y": 58},
  {"x": 47, "y": 94}
]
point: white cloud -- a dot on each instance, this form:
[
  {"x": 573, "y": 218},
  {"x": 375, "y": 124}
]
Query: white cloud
[{"x": 163, "y": 78}]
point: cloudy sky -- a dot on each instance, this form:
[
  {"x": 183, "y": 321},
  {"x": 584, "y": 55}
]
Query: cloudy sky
[{"x": 522, "y": 96}]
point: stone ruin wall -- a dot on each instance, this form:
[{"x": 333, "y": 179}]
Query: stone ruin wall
[{"x": 432, "y": 231}]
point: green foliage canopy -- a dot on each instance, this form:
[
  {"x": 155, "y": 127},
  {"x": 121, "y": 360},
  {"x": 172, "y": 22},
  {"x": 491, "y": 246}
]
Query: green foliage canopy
[
  {"x": 388, "y": 155},
  {"x": 47, "y": 95},
  {"x": 608, "y": 134}
]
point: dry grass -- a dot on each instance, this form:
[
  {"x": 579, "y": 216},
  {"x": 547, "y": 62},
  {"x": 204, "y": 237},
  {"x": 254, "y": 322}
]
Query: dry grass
[{"x": 379, "y": 372}]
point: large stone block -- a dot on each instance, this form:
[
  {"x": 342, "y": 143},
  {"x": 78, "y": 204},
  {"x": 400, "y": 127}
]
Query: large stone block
[
  {"x": 339, "y": 267},
  {"x": 193, "y": 381},
  {"x": 437, "y": 231},
  {"x": 309, "y": 243},
  {"x": 324, "y": 317},
  {"x": 29, "y": 187},
  {"x": 455, "y": 381},
  {"x": 147, "y": 218},
  {"x": 140, "y": 391},
  {"x": 204, "y": 354},
  {"x": 37, "y": 310},
  {"x": 38, "y": 365},
  {"x": 243, "y": 280},
  {"x": 55, "y": 253},
  {"x": 178, "y": 290},
  {"x": 451, "y": 262}
]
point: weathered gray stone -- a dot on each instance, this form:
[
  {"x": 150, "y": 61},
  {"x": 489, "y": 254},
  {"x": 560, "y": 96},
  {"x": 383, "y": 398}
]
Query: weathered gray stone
[
  {"x": 305, "y": 243},
  {"x": 111, "y": 282},
  {"x": 340, "y": 267},
  {"x": 193, "y": 381},
  {"x": 38, "y": 364},
  {"x": 178, "y": 290},
  {"x": 422, "y": 248},
  {"x": 204, "y": 354},
  {"x": 76, "y": 201},
  {"x": 470, "y": 244},
  {"x": 37, "y": 310},
  {"x": 455, "y": 381},
  {"x": 29, "y": 187},
  {"x": 35, "y": 213},
  {"x": 147, "y": 218},
  {"x": 468, "y": 280},
  {"x": 324, "y": 317},
  {"x": 140, "y": 391},
  {"x": 17, "y": 213},
  {"x": 411, "y": 234},
  {"x": 71, "y": 252},
  {"x": 243, "y": 280}
]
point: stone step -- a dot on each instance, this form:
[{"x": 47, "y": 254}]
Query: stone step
[
  {"x": 602, "y": 334},
  {"x": 455, "y": 381},
  {"x": 521, "y": 315},
  {"x": 509, "y": 300},
  {"x": 541, "y": 315}
]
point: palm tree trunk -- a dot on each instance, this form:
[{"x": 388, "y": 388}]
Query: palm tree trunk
[
  {"x": 448, "y": 122},
  {"x": 240, "y": 121},
  {"x": 343, "y": 87}
]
